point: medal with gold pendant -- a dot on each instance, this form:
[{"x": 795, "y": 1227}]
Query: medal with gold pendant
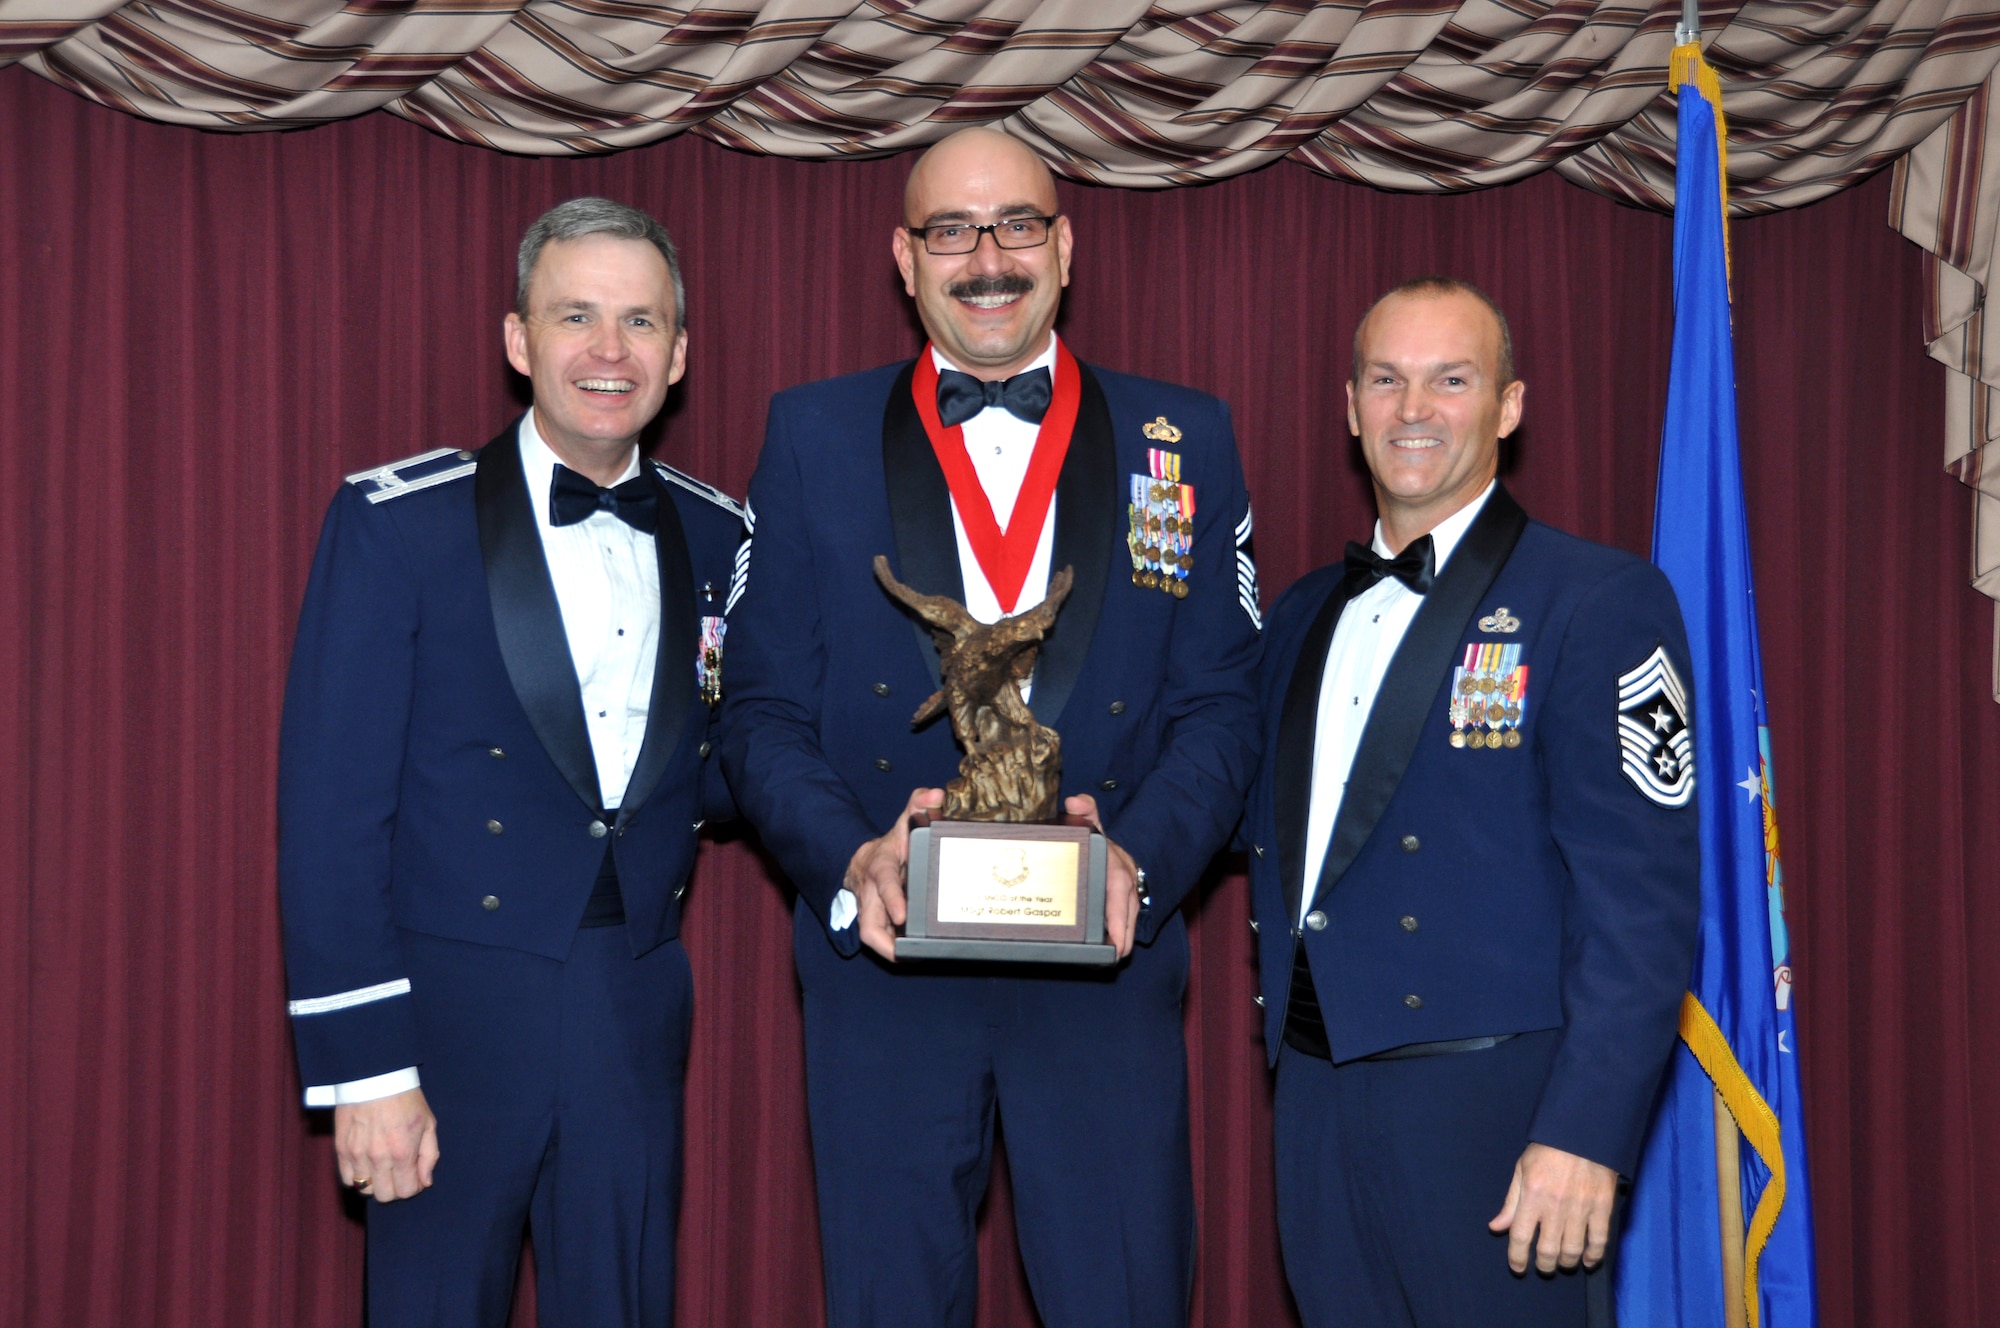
[
  {"x": 1136, "y": 512},
  {"x": 1514, "y": 687},
  {"x": 708, "y": 660}
]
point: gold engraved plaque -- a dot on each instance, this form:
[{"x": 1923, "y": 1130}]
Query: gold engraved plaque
[{"x": 1027, "y": 883}]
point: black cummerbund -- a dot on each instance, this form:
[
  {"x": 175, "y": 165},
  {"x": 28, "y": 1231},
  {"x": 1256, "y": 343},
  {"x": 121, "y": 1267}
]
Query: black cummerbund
[
  {"x": 1305, "y": 1027},
  {"x": 607, "y": 904}
]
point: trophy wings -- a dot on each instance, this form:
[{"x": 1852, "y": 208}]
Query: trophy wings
[{"x": 980, "y": 664}]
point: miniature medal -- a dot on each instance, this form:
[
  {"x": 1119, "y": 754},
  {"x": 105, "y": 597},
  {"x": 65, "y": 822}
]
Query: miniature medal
[{"x": 708, "y": 661}]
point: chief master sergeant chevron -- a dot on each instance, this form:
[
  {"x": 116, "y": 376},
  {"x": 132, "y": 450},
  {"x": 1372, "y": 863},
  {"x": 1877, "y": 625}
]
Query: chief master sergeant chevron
[
  {"x": 1473, "y": 864},
  {"x": 492, "y": 773},
  {"x": 993, "y": 458}
]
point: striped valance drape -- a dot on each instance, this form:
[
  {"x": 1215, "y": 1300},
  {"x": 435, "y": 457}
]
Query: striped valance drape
[{"x": 1418, "y": 95}]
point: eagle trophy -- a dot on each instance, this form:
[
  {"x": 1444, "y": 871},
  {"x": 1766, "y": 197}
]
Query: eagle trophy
[{"x": 1012, "y": 769}]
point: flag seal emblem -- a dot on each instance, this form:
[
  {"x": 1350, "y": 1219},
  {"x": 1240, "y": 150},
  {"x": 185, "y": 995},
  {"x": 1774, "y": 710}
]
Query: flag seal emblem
[{"x": 1653, "y": 734}]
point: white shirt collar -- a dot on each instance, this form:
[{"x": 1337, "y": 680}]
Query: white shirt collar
[
  {"x": 1446, "y": 534},
  {"x": 538, "y": 467},
  {"x": 1047, "y": 359}
]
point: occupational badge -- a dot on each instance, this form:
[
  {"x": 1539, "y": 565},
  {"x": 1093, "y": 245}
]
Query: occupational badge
[
  {"x": 708, "y": 660},
  {"x": 1653, "y": 734},
  {"x": 1161, "y": 515},
  {"x": 1489, "y": 697}
]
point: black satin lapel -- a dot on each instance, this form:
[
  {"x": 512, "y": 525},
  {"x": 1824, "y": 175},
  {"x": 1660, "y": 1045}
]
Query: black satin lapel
[
  {"x": 1298, "y": 730},
  {"x": 526, "y": 616},
  {"x": 919, "y": 509},
  {"x": 680, "y": 640},
  {"x": 1088, "y": 512},
  {"x": 1416, "y": 673}
]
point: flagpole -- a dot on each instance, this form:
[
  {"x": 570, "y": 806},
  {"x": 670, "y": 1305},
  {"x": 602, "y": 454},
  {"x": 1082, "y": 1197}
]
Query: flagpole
[{"x": 1729, "y": 1199}]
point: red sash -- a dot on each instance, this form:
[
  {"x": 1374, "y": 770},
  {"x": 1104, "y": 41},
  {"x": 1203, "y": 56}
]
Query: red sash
[{"x": 1004, "y": 556}]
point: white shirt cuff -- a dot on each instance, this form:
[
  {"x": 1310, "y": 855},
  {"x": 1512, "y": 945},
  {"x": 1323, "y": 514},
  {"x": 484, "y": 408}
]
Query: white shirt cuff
[
  {"x": 357, "y": 1091},
  {"x": 841, "y": 916}
]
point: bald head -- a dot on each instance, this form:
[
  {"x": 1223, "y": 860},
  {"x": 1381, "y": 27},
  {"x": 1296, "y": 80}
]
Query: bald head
[
  {"x": 1437, "y": 288},
  {"x": 970, "y": 157},
  {"x": 989, "y": 309}
]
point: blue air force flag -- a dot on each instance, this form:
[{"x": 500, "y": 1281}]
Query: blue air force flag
[{"x": 1738, "y": 1040}]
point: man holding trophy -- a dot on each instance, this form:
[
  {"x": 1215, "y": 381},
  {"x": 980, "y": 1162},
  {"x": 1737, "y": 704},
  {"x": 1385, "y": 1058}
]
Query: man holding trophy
[{"x": 992, "y": 474}]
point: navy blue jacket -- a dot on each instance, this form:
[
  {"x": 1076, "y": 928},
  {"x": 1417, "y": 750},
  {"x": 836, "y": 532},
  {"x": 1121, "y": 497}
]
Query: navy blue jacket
[
  {"x": 1468, "y": 891},
  {"x": 1152, "y": 695},
  {"x": 434, "y": 769}
]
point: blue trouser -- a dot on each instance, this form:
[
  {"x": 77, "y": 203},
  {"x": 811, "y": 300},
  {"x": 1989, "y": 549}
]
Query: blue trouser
[
  {"x": 1389, "y": 1171},
  {"x": 557, "y": 1091},
  {"x": 907, "y": 1069}
]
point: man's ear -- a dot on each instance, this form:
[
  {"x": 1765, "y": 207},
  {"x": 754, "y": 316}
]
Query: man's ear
[
  {"x": 678, "y": 363},
  {"x": 514, "y": 333},
  {"x": 1511, "y": 397},
  {"x": 903, "y": 245}
]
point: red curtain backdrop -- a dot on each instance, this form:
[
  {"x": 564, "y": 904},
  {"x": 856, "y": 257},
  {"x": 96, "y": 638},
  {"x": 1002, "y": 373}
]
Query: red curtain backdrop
[{"x": 199, "y": 334}]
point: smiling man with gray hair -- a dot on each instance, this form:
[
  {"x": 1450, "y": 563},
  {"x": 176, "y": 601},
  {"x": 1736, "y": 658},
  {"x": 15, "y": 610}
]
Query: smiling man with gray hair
[{"x": 495, "y": 743}]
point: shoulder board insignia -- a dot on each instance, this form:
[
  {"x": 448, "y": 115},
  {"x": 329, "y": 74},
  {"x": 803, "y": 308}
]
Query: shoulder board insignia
[
  {"x": 424, "y": 471},
  {"x": 695, "y": 486}
]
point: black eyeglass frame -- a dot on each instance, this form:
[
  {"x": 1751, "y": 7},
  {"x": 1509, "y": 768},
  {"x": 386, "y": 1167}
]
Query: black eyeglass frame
[{"x": 923, "y": 233}]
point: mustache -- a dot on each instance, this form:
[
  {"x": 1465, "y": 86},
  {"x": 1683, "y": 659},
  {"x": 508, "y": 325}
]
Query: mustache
[{"x": 1010, "y": 283}]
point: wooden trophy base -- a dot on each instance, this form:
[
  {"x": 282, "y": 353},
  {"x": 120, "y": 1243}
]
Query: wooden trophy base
[{"x": 1006, "y": 892}]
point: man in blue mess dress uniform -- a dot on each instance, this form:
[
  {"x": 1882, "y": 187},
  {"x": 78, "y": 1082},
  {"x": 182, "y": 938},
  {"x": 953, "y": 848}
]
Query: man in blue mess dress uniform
[
  {"x": 992, "y": 460},
  {"x": 1473, "y": 864},
  {"x": 493, "y": 769}
]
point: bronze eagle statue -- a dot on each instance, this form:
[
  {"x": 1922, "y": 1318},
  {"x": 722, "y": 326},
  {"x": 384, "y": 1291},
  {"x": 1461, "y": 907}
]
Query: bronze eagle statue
[{"x": 1012, "y": 770}]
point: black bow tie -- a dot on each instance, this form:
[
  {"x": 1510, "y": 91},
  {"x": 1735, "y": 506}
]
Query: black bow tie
[
  {"x": 572, "y": 497},
  {"x": 1413, "y": 566},
  {"x": 1024, "y": 396}
]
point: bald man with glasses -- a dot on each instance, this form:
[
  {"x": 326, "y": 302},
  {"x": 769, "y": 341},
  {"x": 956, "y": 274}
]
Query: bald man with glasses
[{"x": 993, "y": 459}]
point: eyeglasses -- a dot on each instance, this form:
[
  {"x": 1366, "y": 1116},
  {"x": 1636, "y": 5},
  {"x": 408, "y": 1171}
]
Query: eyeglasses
[{"x": 962, "y": 237}]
